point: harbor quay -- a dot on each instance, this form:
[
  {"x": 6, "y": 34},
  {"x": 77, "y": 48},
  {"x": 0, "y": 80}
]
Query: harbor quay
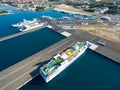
[
  {"x": 19, "y": 74},
  {"x": 22, "y": 72},
  {"x": 110, "y": 50},
  {"x": 18, "y": 34}
]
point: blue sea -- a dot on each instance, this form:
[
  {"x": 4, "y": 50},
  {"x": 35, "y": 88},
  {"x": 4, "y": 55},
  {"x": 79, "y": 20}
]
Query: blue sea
[
  {"x": 16, "y": 49},
  {"x": 91, "y": 71},
  {"x": 18, "y": 15}
]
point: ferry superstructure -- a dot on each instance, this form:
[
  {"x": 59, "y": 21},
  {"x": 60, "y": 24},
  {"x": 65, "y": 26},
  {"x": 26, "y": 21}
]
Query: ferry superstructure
[
  {"x": 31, "y": 26},
  {"x": 25, "y": 22},
  {"x": 61, "y": 61}
]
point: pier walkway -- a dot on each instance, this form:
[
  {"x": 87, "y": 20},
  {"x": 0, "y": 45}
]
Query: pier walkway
[
  {"x": 19, "y": 33},
  {"x": 24, "y": 71},
  {"x": 19, "y": 74},
  {"x": 110, "y": 50}
]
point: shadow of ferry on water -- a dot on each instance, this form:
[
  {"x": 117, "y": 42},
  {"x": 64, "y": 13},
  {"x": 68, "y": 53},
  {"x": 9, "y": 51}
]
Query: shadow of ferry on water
[{"x": 38, "y": 80}]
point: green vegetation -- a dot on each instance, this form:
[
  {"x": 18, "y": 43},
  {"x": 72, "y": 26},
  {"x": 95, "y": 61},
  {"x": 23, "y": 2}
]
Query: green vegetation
[
  {"x": 81, "y": 45},
  {"x": 89, "y": 10},
  {"x": 112, "y": 10},
  {"x": 93, "y": 31},
  {"x": 58, "y": 60},
  {"x": 72, "y": 4},
  {"x": 39, "y": 8},
  {"x": 55, "y": 62},
  {"x": 112, "y": 7},
  {"x": 97, "y": 4},
  {"x": 51, "y": 64},
  {"x": 3, "y": 12}
]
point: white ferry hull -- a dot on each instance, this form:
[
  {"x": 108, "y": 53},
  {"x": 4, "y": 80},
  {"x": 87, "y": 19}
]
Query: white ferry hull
[
  {"x": 63, "y": 67},
  {"x": 33, "y": 27}
]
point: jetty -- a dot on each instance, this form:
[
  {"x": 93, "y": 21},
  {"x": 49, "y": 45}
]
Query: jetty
[
  {"x": 111, "y": 50},
  {"x": 19, "y": 33},
  {"x": 19, "y": 74}
]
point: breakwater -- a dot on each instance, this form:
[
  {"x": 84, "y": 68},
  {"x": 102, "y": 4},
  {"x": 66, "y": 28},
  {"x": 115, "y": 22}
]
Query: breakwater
[{"x": 18, "y": 34}]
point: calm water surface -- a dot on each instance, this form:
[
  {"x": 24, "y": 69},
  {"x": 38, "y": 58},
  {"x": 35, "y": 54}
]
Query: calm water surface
[
  {"x": 90, "y": 72},
  {"x": 16, "y": 49},
  {"x": 7, "y": 20},
  {"x": 18, "y": 15}
]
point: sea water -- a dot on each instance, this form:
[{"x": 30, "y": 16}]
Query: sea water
[
  {"x": 91, "y": 71},
  {"x": 16, "y": 49}
]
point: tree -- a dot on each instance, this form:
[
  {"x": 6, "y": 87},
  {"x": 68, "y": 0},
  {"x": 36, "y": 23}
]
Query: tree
[{"x": 38, "y": 8}]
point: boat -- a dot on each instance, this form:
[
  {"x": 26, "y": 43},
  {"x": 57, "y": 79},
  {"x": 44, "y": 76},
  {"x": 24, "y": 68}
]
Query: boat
[
  {"x": 24, "y": 22},
  {"x": 61, "y": 61},
  {"x": 48, "y": 17},
  {"x": 31, "y": 26}
]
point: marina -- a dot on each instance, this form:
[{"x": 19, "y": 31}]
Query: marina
[
  {"x": 76, "y": 35},
  {"x": 20, "y": 72},
  {"x": 18, "y": 16}
]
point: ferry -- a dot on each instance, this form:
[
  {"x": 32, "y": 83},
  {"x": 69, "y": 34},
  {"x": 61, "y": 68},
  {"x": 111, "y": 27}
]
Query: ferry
[
  {"x": 31, "y": 26},
  {"x": 62, "y": 60},
  {"x": 25, "y": 22}
]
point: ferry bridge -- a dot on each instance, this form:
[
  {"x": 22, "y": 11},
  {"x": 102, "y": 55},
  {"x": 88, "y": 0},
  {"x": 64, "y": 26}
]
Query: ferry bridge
[{"x": 19, "y": 74}]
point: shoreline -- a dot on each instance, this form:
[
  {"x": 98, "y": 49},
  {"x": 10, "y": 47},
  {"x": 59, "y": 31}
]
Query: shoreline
[
  {"x": 68, "y": 41},
  {"x": 70, "y": 10},
  {"x": 5, "y": 14}
]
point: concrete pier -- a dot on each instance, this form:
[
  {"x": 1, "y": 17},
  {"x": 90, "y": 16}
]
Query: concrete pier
[
  {"x": 17, "y": 75},
  {"x": 110, "y": 50},
  {"x": 18, "y": 34},
  {"x": 20, "y": 73}
]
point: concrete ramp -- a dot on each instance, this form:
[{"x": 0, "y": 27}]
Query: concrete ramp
[
  {"x": 66, "y": 34},
  {"x": 92, "y": 45},
  {"x": 49, "y": 26}
]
